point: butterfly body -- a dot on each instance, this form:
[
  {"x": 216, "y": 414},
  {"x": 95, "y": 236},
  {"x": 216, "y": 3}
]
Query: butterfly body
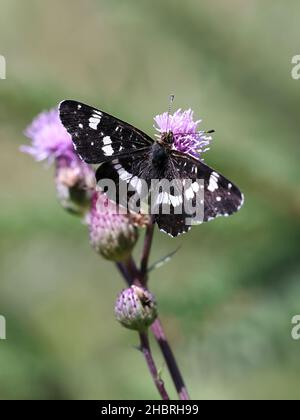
[
  {"x": 159, "y": 155},
  {"x": 128, "y": 155}
]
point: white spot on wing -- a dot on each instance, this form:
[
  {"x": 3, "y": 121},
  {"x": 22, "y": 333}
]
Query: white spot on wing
[
  {"x": 94, "y": 121},
  {"x": 213, "y": 182},
  {"x": 163, "y": 198},
  {"x": 108, "y": 150},
  {"x": 166, "y": 199},
  {"x": 159, "y": 198},
  {"x": 195, "y": 186},
  {"x": 106, "y": 140},
  {"x": 176, "y": 200},
  {"x": 189, "y": 193}
]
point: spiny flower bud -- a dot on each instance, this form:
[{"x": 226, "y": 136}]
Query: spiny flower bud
[
  {"x": 136, "y": 308},
  {"x": 113, "y": 235},
  {"x": 74, "y": 185}
]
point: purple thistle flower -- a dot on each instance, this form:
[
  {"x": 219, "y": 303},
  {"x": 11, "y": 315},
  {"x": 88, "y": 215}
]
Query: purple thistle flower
[
  {"x": 112, "y": 234},
  {"x": 136, "y": 308},
  {"x": 187, "y": 138},
  {"x": 50, "y": 139},
  {"x": 75, "y": 180}
]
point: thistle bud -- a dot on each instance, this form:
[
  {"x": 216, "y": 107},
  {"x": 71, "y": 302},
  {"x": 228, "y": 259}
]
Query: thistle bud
[
  {"x": 74, "y": 183},
  {"x": 113, "y": 235},
  {"x": 136, "y": 308}
]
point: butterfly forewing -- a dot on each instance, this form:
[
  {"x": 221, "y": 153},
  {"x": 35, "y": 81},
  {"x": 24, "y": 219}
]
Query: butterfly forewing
[{"x": 98, "y": 136}]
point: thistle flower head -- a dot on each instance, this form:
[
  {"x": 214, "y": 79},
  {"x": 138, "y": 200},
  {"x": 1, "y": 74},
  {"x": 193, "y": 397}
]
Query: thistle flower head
[
  {"x": 136, "y": 308},
  {"x": 187, "y": 138},
  {"x": 49, "y": 138},
  {"x": 112, "y": 234},
  {"x": 74, "y": 179}
]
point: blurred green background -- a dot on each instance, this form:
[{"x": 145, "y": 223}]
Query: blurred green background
[{"x": 228, "y": 296}]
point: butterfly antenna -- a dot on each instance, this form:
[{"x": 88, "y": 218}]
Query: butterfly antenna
[{"x": 171, "y": 100}]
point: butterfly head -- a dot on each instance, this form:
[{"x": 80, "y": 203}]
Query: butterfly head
[{"x": 167, "y": 139}]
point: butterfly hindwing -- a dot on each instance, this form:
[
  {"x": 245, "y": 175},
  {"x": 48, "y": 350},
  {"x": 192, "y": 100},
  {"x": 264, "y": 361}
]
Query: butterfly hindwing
[
  {"x": 128, "y": 176},
  {"x": 98, "y": 136},
  {"x": 221, "y": 196},
  {"x": 172, "y": 224}
]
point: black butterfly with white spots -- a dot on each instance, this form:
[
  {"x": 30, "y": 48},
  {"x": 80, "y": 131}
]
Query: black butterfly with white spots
[{"x": 129, "y": 155}]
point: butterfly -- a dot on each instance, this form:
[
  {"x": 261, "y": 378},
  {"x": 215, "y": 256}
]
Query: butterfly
[{"x": 128, "y": 155}]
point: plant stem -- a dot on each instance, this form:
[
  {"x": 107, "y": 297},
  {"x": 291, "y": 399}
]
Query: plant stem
[
  {"x": 145, "y": 348},
  {"x": 124, "y": 273},
  {"x": 166, "y": 350},
  {"x": 146, "y": 250},
  {"x": 157, "y": 328},
  {"x": 135, "y": 276}
]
